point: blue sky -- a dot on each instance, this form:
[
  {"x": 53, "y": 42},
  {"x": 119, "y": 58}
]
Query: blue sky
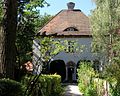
[{"x": 57, "y": 5}]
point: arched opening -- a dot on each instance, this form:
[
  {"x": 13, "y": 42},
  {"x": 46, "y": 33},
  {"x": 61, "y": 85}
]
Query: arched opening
[{"x": 58, "y": 66}]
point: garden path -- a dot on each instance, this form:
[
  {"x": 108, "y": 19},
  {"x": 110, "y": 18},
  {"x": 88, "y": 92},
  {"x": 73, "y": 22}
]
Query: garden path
[{"x": 72, "y": 90}]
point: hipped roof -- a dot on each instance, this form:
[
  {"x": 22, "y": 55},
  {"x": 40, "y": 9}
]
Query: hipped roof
[{"x": 65, "y": 19}]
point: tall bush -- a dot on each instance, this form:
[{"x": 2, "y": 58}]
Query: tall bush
[
  {"x": 89, "y": 82},
  {"x": 10, "y": 88},
  {"x": 93, "y": 84},
  {"x": 85, "y": 74}
]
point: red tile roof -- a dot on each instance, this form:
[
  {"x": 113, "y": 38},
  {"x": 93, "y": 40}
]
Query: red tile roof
[{"x": 65, "y": 19}]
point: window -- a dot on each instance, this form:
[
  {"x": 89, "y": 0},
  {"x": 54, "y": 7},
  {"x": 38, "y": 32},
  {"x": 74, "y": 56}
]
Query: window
[
  {"x": 70, "y": 47},
  {"x": 71, "y": 29},
  {"x": 96, "y": 64}
]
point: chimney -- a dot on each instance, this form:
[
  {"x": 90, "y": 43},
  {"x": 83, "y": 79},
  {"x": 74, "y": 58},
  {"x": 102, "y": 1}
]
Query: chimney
[{"x": 71, "y": 5}]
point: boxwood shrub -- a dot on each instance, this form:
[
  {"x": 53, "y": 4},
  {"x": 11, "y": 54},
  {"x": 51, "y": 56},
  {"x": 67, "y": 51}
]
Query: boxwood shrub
[
  {"x": 10, "y": 88},
  {"x": 46, "y": 85}
]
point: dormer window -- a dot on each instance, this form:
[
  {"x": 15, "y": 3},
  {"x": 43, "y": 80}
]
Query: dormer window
[{"x": 71, "y": 29}]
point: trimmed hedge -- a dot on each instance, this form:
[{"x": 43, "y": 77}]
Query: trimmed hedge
[
  {"x": 46, "y": 85},
  {"x": 10, "y": 88}
]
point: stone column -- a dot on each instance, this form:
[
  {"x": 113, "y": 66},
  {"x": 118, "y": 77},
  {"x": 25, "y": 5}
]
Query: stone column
[
  {"x": 101, "y": 66},
  {"x": 74, "y": 74},
  {"x": 66, "y": 73}
]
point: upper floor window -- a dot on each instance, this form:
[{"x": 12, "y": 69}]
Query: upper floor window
[
  {"x": 70, "y": 47},
  {"x": 71, "y": 29},
  {"x": 96, "y": 65}
]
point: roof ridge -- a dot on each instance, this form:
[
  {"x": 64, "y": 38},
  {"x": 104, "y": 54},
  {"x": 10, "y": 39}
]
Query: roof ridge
[{"x": 66, "y": 18}]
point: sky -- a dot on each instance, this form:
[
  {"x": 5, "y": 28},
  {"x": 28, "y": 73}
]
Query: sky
[{"x": 57, "y": 5}]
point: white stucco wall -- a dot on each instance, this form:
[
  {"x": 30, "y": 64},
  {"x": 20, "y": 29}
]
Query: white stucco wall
[
  {"x": 75, "y": 57},
  {"x": 36, "y": 56},
  {"x": 66, "y": 57}
]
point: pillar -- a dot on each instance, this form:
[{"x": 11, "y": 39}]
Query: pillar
[
  {"x": 66, "y": 73},
  {"x": 101, "y": 66},
  {"x": 74, "y": 74}
]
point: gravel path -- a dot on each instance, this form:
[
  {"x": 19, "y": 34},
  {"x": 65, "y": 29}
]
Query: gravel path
[{"x": 72, "y": 90}]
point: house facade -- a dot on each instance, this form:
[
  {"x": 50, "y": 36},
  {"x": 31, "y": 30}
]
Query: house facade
[{"x": 70, "y": 24}]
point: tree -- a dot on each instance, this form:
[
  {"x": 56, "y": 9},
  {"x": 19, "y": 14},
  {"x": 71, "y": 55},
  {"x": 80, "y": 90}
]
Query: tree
[
  {"x": 12, "y": 15},
  {"x": 27, "y": 29},
  {"x": 8, "y": 34},
  {"x": 1, "y": 10},
  {"x": 48, "y": 49},
  {"x": 1, "y": 16},
  {"x": 29, "y": 21},
  {"x": 105, "y": 22}
]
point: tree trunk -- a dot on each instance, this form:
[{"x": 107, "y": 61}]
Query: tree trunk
[
  {"x": 1, "y": 48},
  {"x": 7, "y": 43}
]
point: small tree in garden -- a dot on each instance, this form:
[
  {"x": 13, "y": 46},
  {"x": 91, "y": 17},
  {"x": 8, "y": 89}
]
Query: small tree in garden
[{"x": 48, "y": 49}]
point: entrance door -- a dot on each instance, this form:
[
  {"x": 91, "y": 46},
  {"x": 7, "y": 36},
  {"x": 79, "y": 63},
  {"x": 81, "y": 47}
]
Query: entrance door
[
  {"x": 58, "y": 66},
  {"x": 70, "y": 74}
]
